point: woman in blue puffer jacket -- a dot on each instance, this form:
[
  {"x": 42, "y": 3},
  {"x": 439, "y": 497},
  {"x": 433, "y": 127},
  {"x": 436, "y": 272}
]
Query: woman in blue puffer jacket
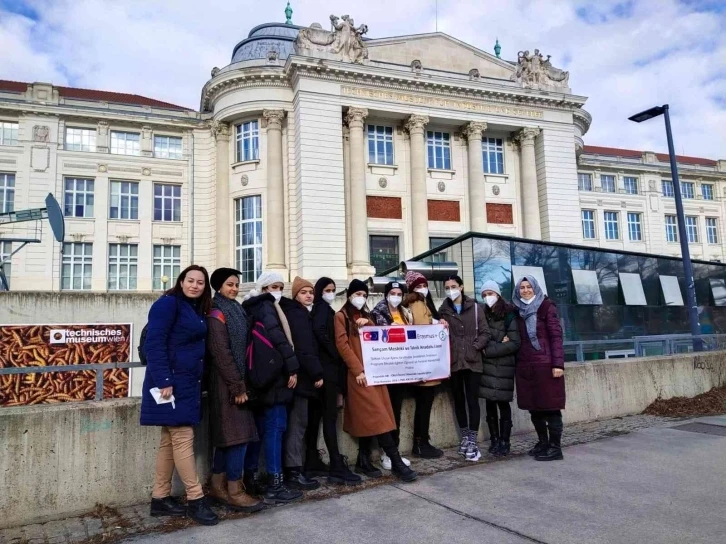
[{"x": 175, "y": 349}]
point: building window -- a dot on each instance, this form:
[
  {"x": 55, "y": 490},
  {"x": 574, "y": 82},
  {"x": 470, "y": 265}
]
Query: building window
[
  {"x": 635, "y": 233},
  {"x": 384, "y": 252},
  {"x": 248, "y": 141},
  {"x": 611, "y": 226},
  {"x": 608, "y": 183},
  {"x": 6, "y": 248},
  {"x": 692, "y": 229},
  {"x": 125, "y": 143},
  {"x": 7, "y": 192},
  {"x": 584, "y": 182},
  {"x": 493, "y": 155},
  {"x": 248, "y": 237},
  {"x": 588, "y": 224},
  {"x": 442, "y": 256},
  {"x": 167, "y": 147},
  {"x": 671, "y": 228},
  {"x": 80, "y": 139},
  {"x": 167, "y": 262},
  {"x": 631, "y": 185},
  {"x": 167, "y": 202},
  {"x": 380, "y": 144},
  {"x": 8, "y": 133},
  {"x": 77, "y": 266},
  {"x": 707, "y": 191},
  {"x": 687, "y": 189},
  {"x": 124, "y": 200},
  {"x": 78, "y": 197},
  {"x": 439, "y": 150},
  {"x": 712, "y": 230},
  {"x": 668, "y": 188},
  {"x": 123, "y": 260}
]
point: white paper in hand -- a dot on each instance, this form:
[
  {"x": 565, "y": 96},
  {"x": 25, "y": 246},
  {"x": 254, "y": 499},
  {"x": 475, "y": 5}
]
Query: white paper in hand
[{"x": 156, "y": 393}]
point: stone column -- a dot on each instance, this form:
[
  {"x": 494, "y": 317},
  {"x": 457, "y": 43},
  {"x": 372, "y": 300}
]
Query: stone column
[
  {"x": 275, "y": 221},
  {"x": 223, "y": 223},
  {"x": 530, "y": 191},
  {"x": 360, "y": 256},
  {"x": 346, "y": 184},
  {"x": 477, "y": 187},
  {"x": 416, "y": 126}
]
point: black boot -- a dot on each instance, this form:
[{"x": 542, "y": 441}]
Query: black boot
[
  {"x": 504, "y": 447},
  {"x": 540, "y": 425},
  {"x": 554, "y": 451},
  {"x": 493, "y": 424},
  {"x": 314, "y": 465},
  {"x": 200, "y": 512},
  {"x": 254, "y": 485},
  {"x": 365, "y": 466},
  {"x": 166, "y": 507},
  {"x": 294, "y": 479},
  {"x": 341, "y": 474},
  {"x": 422, "y": 448},
  {"x": 398, "y": 467},
  {"x": 277, "y": 493}
]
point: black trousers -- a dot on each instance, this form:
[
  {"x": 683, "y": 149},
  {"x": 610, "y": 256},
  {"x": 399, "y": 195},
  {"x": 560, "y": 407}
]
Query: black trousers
[
  {"x": 385, "y": 441},
  {"x": 465, "y": 386},
  {"x": 547, "y": 420},
  {"x": 397, "y": 393},
  {"x": 504, "y": 408},
  {"x": 325, "y": 408},
  {"x": 424, "y": 397}
]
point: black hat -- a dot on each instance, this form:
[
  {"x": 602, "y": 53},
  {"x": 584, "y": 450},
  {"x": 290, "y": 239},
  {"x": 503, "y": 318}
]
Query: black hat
[
  {"x": 220, "y": 275},
  {"x": 394, "y": 285},
  {"x": 357, "y": 285}
]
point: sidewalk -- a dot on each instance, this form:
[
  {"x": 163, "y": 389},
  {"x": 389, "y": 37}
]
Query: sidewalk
[{"x": 108, "y": 525}]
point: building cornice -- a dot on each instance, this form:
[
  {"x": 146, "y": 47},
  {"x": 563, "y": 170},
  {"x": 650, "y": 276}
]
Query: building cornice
[
  {"x": 684, "y": 170},
  {"x": 226, "y": 82},
  {"x": 582, "y": 119}
]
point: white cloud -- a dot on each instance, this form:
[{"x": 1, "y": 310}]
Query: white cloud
[{"x": 630, "y": 55}]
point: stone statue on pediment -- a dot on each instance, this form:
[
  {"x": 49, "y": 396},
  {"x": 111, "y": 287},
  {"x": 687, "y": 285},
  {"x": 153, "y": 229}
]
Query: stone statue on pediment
[
  {"x": 343, "y": 42},
  {"x": 534, "y": 71}
]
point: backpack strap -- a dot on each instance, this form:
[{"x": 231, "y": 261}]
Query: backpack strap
[{"x": 217, "y": 314}]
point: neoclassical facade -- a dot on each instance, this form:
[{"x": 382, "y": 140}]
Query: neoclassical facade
[{"x": 314, "y": 152}]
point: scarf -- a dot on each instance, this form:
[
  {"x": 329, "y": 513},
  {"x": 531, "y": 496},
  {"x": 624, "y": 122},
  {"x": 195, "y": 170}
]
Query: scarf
[
  {"x": 237, "y": 325},
  {"x": 528, "y": 312},
  {"x": 284, "y": 323}
]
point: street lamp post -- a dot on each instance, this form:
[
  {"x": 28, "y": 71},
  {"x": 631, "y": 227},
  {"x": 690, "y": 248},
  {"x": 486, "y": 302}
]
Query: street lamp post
[{"x": 687, "y": 267}]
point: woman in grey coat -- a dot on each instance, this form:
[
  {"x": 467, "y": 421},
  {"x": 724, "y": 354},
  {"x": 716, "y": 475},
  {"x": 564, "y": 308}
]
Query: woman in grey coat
[{"x": 496, "y": 384}]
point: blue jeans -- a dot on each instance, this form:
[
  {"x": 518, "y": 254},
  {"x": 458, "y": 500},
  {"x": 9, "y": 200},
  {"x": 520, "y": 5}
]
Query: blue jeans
[
  {"x": 230, "y": 460},
  {"x": 271, "y": 424}
]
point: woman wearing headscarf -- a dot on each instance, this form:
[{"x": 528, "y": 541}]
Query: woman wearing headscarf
[
  {"x": 540, "y": 367},
  {"x": 231, "y": 422},
  {"x": 368, "y": 411}
]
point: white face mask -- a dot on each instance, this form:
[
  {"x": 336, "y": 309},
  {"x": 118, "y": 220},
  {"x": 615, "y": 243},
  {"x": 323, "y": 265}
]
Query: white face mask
[
  {"x": 527, "y": 300},
  {"x": 277, "y": 295},
  {"x": 394, "y": 300},
  {"x": 491, "y": 300},
  {"x": 453, "y": 294},
  {"x": 358, "y": 302},
  {"x": 329, "y": 297},
  {"x": 423, "y": 290}
]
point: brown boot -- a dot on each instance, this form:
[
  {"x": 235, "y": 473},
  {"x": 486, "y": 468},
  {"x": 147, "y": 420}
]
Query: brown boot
[
  {"x": 239, "y": 500},
  {"x": 218, "y": 489}
]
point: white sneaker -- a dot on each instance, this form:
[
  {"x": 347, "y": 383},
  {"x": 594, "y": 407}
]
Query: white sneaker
[
  {"x": 472, "y": 452},
  {"x": 405, "y": 461},
  {"x": 386, "y": 461}
]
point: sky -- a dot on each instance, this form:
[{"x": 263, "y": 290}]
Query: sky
[{"x": 625, "y": 56}]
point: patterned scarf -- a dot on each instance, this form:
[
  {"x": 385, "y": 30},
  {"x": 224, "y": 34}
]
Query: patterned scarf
[
  {"x": 237, "y": 325},
  {"x": 528, "y": 312}
]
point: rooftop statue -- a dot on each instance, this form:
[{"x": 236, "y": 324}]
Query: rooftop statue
[
  {"x": 536, "y": 72},
  {"x": 344, "y": 40}
]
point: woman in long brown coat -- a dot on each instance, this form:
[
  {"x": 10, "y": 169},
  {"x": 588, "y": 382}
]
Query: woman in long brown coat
[
  {"x": 368, "y": 411},
  {"x": 232, "y": 423}
]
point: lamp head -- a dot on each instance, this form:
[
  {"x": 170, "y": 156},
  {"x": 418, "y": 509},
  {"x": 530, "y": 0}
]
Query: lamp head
[{"x": 648, "y": 114}]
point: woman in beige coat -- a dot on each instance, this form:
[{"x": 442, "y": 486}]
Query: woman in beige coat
[{"x": 368, "y": 411}]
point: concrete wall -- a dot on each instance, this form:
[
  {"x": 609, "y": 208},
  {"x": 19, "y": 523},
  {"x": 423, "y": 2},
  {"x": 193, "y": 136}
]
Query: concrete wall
[{"x": 62, "y": 460}]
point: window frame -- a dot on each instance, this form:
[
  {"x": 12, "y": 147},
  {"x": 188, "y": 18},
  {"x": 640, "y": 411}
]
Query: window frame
[
  {"x": 130, "y": 195},
  {"x": 11, "y": 128},
  {"x": 167, "y": 265},
  {"x": 168, "y": 202},
  {"x": 135, "y": 149},
  {"x": 72, "y": 259},
  {"x": 129, "y": 262},
  {"x": 7, "y": 191},
  {"x": 390, "y": 237},
  {"x": 593, "y": 220},
  {"x": 580, "y": 186},
  {"x": 437, "y": 139},
  {"x": 257, "y": 248},
  {"x": 90, "y": 132},
  {"x": 692, "y": 228},
  {"x": 492, "y": 146},
  {"x": 710, "y": 191},
  {"x": 614, "y": 179},
  {"x": 671, "y": 226},
  {"x": 6, "y": 249},
  {"x": 635, "y": 227},
  {"x": 630, "y": 183},
  {"x": 691, "y": 193},
  {"x": 712, "y": 230},
  {"x": 377, "y": 135},
  {"x": 85, "y": 194},
  {"x": 251, "y": 134},
  {"x": 668, "y": 183},
  {"x": 164, "y": 152},
  {"x": 616, "y": 222}
]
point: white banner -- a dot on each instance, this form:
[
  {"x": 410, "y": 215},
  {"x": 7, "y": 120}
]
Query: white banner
[{"x": 405, "y": 354}]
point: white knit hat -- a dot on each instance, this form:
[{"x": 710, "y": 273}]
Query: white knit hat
[
  {"x": 490, "y": 285},
  {"x": 267, "y": 278}
]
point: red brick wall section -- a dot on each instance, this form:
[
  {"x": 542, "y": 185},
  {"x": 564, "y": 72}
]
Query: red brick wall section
[
  {"x": 500, "y": 214},
  {"x": 384, "y": 207},
  {"x": 444, "y": 210}
]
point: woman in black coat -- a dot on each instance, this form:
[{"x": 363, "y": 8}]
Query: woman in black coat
[
  {"x": 496, "y": 384},
  {"x": 324, "y": 406}
]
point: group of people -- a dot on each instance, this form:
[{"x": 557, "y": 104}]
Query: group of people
[{"x": 276, "y": 368}]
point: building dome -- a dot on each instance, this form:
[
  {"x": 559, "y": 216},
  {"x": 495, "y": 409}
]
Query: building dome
[{"x": 263, "y": 38}]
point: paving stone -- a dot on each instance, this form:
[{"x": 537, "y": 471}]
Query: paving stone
[
  {"x": 55, "y": 529},
  {"x": 34, "y": 531},
  {"x": 76, "y": 530},
  {"x": 60, "y": 539},
  {"x": 93, "y": 526}
]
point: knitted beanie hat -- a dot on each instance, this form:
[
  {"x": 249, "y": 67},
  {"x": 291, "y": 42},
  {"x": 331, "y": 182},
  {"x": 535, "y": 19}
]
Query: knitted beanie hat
[
  {"x": 220, "y": 275},
  {"x": 394, "y": 285},
  {"x": 357, "y": 285},
  {"x": 414, "y": 279},
  {"x": 298, "y": 283},
  {"x": 490, "y": 285},
  {"x": 267, "y": 278}
]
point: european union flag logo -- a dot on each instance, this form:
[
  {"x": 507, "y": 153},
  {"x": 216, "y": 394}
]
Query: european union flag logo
[{"x": 411, "y": 335}]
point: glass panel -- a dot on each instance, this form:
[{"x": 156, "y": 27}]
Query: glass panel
[
  {"x": 718, "y": 288},
  {"x": 518, "y": 272},
  {"x": 587, "y": 287},
  {"x": 632, "y": 289}
]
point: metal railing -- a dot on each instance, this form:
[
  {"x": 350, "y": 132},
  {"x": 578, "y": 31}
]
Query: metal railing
[
  {"x": 98, "y": 368},
  {"x": 641, "y": 346}
]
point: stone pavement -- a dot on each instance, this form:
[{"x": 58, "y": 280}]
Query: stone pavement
[{"x": 109, "y": 525}]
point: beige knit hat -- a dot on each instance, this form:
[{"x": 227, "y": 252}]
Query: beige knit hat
[{"x": 298, "y": 283}]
